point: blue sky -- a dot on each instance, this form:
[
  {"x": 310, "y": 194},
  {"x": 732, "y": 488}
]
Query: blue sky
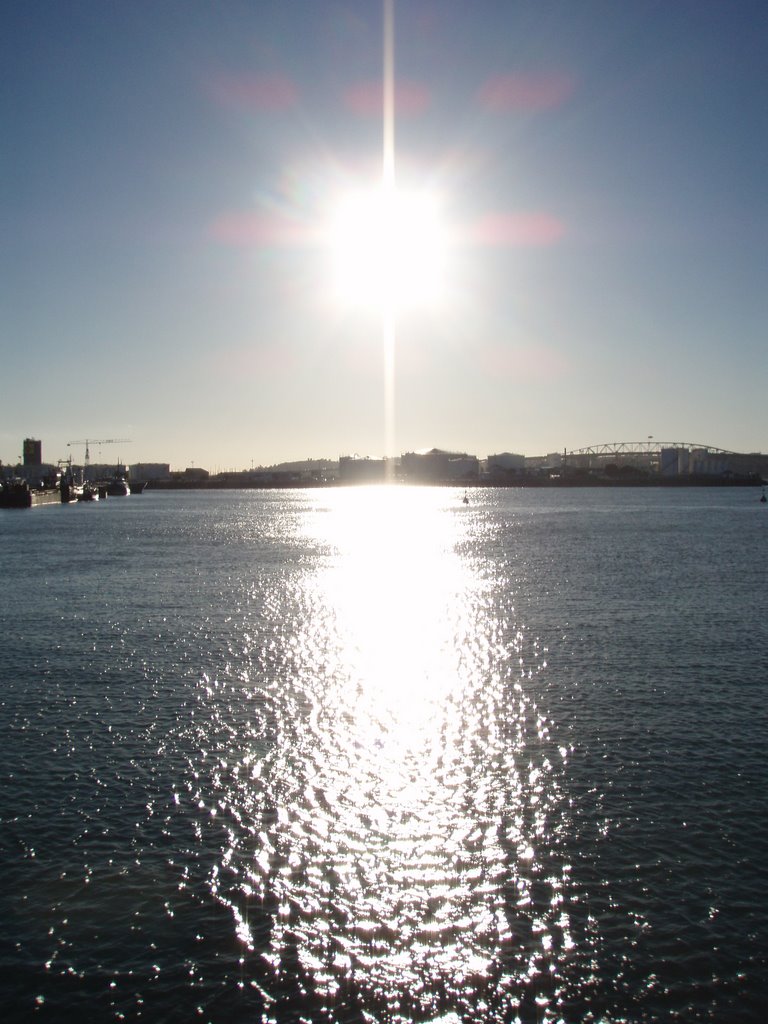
[{"x": 167, "y": 167}]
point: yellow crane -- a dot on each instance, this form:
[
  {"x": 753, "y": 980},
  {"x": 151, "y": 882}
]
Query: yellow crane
[{"x": 89, "y": 441}]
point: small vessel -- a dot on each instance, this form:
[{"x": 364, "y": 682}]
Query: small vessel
[
  {"x": 70, "y": 492},
  {"x": 70, "y": 489},
  {"x": 118, "y": 486},
  {"x": 763, "y": 498},
  {"x": 89, "y": 492},
  {"x": 465, "y": 499}
]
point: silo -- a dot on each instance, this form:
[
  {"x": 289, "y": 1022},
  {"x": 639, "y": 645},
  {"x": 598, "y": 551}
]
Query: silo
[{"x": 668, "y": 462}]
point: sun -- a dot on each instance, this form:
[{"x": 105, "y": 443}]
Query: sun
[{"x": 388, "y": 249}]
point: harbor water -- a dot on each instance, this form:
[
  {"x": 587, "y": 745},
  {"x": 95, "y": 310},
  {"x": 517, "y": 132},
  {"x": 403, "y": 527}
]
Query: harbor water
[{"x": 375, "y": 755}]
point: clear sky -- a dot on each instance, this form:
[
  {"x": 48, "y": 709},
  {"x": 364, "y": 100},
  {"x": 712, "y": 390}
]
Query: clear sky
[{"x": 166, "y": 175}]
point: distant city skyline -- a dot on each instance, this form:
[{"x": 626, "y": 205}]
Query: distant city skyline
[
  {"x": 169, "y": 178},
  {"x": 33, "y": 452}
]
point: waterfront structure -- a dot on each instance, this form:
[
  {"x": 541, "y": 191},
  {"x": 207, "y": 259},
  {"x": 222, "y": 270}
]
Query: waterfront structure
[
  {"x": 678, "y": 459},
  {"x": 33, "y": 469},
  {"x": 433, "y": 465},
  {"x": 33, "y": 452},
  {"x": 192, "y": 474},
  {"x": 104, "y": 470},
  {"x": 631, "y": 462},
  {"x": 147, "y": 472},
  {"x": 505, "y": 462},
  {"x": 699, "y": 461},
  {"x": 353, "y": 469}
]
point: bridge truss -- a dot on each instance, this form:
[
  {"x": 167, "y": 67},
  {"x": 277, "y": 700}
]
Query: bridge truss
[{"x": 648, "y": 447}]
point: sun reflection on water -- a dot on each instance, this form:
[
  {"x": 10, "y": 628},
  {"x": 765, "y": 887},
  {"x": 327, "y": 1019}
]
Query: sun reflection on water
[
  {"x": 399, "y": 818},
  {"x": 394, "y": 592}
]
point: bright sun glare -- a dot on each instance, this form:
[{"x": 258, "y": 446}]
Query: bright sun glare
[{"x": 388, "y": 249}]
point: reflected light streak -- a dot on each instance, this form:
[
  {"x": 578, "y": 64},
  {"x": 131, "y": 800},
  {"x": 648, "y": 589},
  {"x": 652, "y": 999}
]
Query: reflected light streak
[
  {"x": 401, "y": 811},
  {"x": 394, "y": 588},
  {"x": 393, "y": 736}
]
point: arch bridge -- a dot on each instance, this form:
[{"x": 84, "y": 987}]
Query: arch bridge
[
  {"x": 668, "y": 458},
  {"x": 649, "y": 447}
]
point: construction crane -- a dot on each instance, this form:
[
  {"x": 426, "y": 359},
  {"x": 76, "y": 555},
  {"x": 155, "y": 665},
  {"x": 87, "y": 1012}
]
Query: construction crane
[{"x": 90, "y": 441}]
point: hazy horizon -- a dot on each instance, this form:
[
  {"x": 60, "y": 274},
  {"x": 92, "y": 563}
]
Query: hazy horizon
[{"x": 169, "y": 171}]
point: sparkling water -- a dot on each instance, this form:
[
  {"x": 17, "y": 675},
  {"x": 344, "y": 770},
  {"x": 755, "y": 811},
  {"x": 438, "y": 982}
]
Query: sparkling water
[{"x": 375, "y": 755}]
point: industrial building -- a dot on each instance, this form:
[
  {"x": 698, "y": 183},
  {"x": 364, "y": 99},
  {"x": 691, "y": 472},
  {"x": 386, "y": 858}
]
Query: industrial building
[
  {"x": 355, "y": 469},
  {"x": 434, "y": 465}
]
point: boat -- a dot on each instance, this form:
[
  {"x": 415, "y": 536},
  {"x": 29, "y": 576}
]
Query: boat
[
  {"x": 18, "y": 494},
  {"x": 763, "y": 498},
  {"x": 70, "y": 491},
  {"x": 118, "y": 486},
  {"x": 68, "y": 486},
  {"x": 89, "y": 492}
]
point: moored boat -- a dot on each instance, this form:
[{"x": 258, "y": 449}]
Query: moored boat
[
  {"x": 69, "y": 488},
  {"x": 118, "y": 487},
  {"x": 90, "y": 492},
  {"x": 70, "y": 491},
  {"x": 18, "y": 494}
]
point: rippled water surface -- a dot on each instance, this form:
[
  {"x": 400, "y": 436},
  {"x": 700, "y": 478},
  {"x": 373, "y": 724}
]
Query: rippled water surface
[{"x": 372, "y": 755}]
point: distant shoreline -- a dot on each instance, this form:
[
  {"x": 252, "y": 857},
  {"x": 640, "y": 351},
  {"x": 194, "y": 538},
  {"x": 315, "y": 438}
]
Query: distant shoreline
[{"x": 566, "y": 482}]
